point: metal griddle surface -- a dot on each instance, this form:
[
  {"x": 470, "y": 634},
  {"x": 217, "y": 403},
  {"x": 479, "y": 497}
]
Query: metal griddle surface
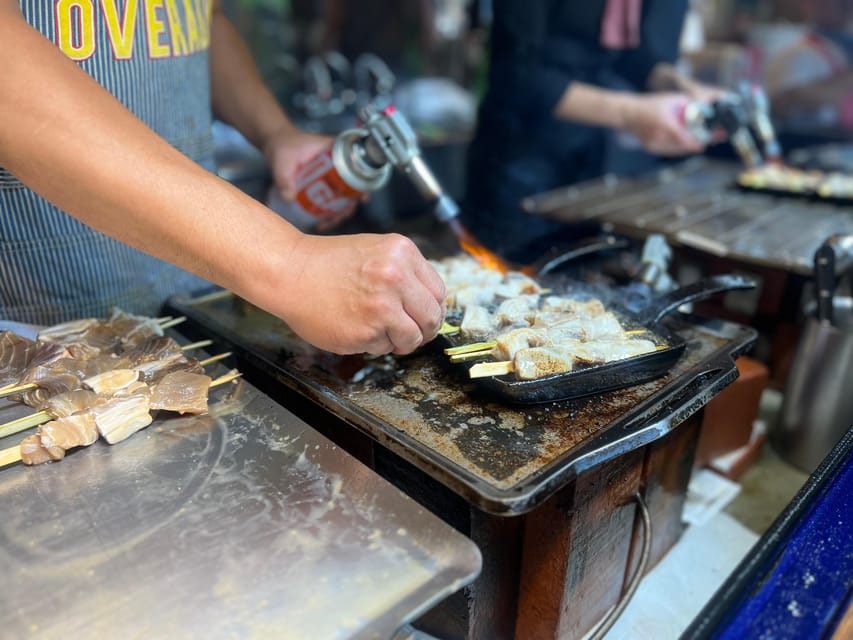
[{"x": 504, "y": 459}]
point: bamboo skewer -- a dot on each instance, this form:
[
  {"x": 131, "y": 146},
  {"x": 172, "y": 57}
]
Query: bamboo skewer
[
  {"x": 196, "y": 345},
  {"x": 22, "y": 424},
  {"x": 173, "y": 322},
  {"x": 486, "y": 369},
  {"x": 215, "y": 358},
  {"x": 447, "y": 329},
  {"x": 467, "y": 348},
  {"x": 8, "y": 391},
  {"x": 471, "y": 355},
  {"x": 12, "y": 454}
]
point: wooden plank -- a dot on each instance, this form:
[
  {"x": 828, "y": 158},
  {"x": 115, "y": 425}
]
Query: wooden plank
[
  {"x": 576, "y": 548},
  {"x": 669, "y": 464}
]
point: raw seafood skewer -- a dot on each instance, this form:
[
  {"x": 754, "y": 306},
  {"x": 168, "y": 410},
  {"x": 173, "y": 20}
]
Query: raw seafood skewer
[
  {"x": 18, "y": 353},
  {"x": 29, "y": 448},
  {"x": 40, "y": 417},
  {"x": 13, "y": 389}
]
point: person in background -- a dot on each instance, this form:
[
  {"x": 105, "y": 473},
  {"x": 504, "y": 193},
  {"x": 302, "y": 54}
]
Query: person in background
[
  {"x": 106, "y": 193},
  {"x": 563, "y": 77},
  {"x": 811, "y": 81}
]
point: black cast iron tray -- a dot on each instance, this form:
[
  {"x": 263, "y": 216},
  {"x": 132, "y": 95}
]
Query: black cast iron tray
[{"x": 596, "y": 379}]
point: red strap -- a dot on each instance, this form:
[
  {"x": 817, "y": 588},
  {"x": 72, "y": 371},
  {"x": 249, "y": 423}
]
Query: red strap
[{"x": 620, "y": 24}]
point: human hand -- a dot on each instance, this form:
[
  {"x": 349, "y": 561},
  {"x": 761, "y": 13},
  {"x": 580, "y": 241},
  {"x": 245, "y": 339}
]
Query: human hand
[
  {"x": 286, "y": 151},
  {"x": 362, "y": 293},
  {"x": 657, "y": 121}
]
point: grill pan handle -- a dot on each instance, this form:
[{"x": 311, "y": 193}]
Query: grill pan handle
[
  {"x": 665, "y": 304},
  {"x": 558, "y": 257}
]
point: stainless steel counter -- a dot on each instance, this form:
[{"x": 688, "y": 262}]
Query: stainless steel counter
[{"x": 242, "y": 524}]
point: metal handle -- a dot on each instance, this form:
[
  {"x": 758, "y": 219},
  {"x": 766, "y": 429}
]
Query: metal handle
[
  {"x": 550, "y": 261},
  {"x": 824, "y": 273},
  {"x": 704, "y": 288}
]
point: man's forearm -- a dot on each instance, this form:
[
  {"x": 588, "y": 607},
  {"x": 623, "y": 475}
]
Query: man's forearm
[
  {"x": 72, "y": 142},
  {"x": 240, "y": 96}
]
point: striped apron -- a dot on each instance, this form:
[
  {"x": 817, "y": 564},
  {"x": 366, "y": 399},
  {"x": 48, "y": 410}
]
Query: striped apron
[{"x": 151, "y": 55}]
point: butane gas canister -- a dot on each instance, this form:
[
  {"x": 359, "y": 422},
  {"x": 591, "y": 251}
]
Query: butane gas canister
[{"x": 332, "y": 182}]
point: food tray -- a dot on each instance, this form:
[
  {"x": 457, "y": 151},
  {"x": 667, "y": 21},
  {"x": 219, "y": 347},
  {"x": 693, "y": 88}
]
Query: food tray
[{"x": 595, "y": 379}]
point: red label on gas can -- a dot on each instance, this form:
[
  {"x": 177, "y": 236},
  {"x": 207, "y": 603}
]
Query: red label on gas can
[{"x": 320, "y": 189}]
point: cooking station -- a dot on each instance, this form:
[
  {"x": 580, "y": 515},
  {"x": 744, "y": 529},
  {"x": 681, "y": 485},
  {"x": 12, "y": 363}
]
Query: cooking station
[
  {"x": 715, "y": 226},
  {"x": 697, "y": 204},
  {"x": 547, "y": 491}
]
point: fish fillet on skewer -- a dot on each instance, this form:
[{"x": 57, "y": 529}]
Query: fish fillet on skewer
[
  {"x": 112, "y": 382},
  {"x": 33, "y": 452},
  {"x": 182, "y": 392},
  {"x": 573, "y": 307},
  {"x": 609, "y": 350},
  {"x": 18, "y": 354},
  {"x": 78, "y": 430},
  {"x": 508, "y": 344},
  {"x": 518, "y": 311},
  {"x": 477, "y": 323},
  {"x": 537, "y": 362},
  {"x": 123, "y": 416},
  {"x": 599, "y": 327}
]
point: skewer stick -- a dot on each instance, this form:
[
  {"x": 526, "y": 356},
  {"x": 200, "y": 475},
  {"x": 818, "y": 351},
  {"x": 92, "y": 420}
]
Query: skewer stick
[
  {"x": 471, "y": 355},
  {"x": 211, "y": 297},
  {"x": 196, "y": 345},
  {"x": 486, "y": 369},
  {"x": 228, "y": 377},
  {"x": 8, "y": 391},
  {"x": 213, "y": 359},
  {"x": 171, "y": 323},
  {"x": 467, "y": 348},
  {"x": 163, "y": 319},
  {"x": 22, "y": 424},
  {"x": 447, "y": 329},
  {"x": 12, "y": 454}
]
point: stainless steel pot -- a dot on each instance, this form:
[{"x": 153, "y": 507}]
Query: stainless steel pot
[{"x": 817, "y": 409}]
